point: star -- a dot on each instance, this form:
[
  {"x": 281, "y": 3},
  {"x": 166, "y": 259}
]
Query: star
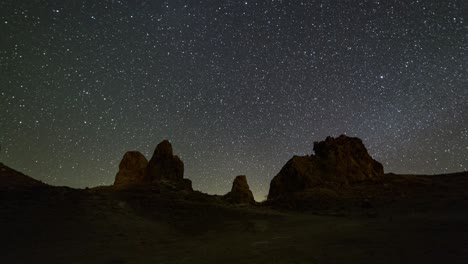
[{"x": 237, "y": 87}]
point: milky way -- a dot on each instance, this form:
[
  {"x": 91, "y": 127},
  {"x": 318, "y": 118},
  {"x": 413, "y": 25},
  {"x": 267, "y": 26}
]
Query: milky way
[{"x": 238, "y": 87}]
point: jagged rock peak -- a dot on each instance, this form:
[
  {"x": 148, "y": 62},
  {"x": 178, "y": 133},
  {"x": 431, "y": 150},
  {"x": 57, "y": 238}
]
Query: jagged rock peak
[
  {"x": 240, "y": 183},
  {"x": 347, "y": 158},
  {"x": 164, "y": 165},
  {"x": 240, "y": 192},
  {"x": 338, "y": 161},
  {"x": 163, "y": 149},
  {"x": 164, "y": 170},
  {"x": 330, "y": 144}
]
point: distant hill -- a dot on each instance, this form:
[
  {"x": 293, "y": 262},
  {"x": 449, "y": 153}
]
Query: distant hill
[{"x": 12, "y": 179}]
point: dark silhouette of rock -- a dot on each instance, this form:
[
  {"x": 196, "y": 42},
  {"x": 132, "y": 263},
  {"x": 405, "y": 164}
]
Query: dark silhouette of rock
[
  {"x": 132, "y": 169},
  {"x": 179, "y": 185},
  {"x": 185, "y": 184},
  {"x": 347, "y": 159},
  {"x": 296, "y": 175},
  {"x": 14, "y": 180},
  {"x": 240, "y": 192},
  {"x": 164, "y": 171},
  {"x": 338, "y": 161},
  {"x": 164, "y": 166}
]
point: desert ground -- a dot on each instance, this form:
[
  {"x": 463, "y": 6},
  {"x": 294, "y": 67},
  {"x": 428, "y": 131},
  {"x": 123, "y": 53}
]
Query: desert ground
[{"x": 64, "y": 225}]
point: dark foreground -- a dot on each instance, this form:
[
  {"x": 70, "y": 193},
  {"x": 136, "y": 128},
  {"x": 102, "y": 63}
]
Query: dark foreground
[{"x": 62, "y": 225}]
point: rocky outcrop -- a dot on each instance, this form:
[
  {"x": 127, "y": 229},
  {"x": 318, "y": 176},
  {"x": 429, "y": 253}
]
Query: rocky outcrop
[
  {"x": 164, "y": 165},
  {"x": 337, "y": 162},
  {"x": 132, "y": 169},
  {"x": 296, "y": 175},
  {"x": 347, "y": 159},
  {"x": 164, "y": 169},
  {"x": 240, "y": 192}
]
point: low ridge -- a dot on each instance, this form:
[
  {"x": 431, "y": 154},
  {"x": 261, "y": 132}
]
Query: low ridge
[{"x": 12, "y": 179}]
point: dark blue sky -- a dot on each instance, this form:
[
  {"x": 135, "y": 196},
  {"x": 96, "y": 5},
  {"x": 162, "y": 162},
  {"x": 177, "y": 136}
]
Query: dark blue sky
[{"x": 237, "y": 86}]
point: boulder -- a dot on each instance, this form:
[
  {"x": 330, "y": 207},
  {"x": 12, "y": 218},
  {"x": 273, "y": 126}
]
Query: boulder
[
  {"x": 164, "y": 166},
  {"x": 240, "y": 192},
  {"x": 132, "y": 169},
  {"x": 337, "y": 162}
]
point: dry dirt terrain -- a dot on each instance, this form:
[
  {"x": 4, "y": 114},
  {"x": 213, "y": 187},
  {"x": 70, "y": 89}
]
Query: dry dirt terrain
[{"x": 63, "y": 225}]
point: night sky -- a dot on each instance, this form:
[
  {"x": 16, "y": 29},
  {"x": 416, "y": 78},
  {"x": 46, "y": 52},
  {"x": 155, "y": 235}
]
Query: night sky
[{"x": 238, "y": 87}]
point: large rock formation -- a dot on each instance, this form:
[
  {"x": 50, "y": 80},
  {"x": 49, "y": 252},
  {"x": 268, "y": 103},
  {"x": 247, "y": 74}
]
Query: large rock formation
[
  {"x": 164, "y": 165},
  {"x": 163, "y": 170},
  {"x": 132, "y": 169},
  {"x": 338, "y": 161},
  {"x": 240, "y": 192}
]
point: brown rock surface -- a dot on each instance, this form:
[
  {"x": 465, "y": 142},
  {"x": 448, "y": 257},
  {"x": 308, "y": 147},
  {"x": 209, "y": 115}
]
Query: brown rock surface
[
  {"x": 347, "y": 159},
  {"x": 240, "y": 192},
  {"x": 164, "y": 166},
  {"x": 164, "y": 171},
  {"x": 132, "y": 169},
  {"x": 338, "y": 161}
]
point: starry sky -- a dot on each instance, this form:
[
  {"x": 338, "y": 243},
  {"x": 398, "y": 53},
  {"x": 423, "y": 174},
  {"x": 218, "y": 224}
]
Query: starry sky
[{"x": 238, "y": 87}]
